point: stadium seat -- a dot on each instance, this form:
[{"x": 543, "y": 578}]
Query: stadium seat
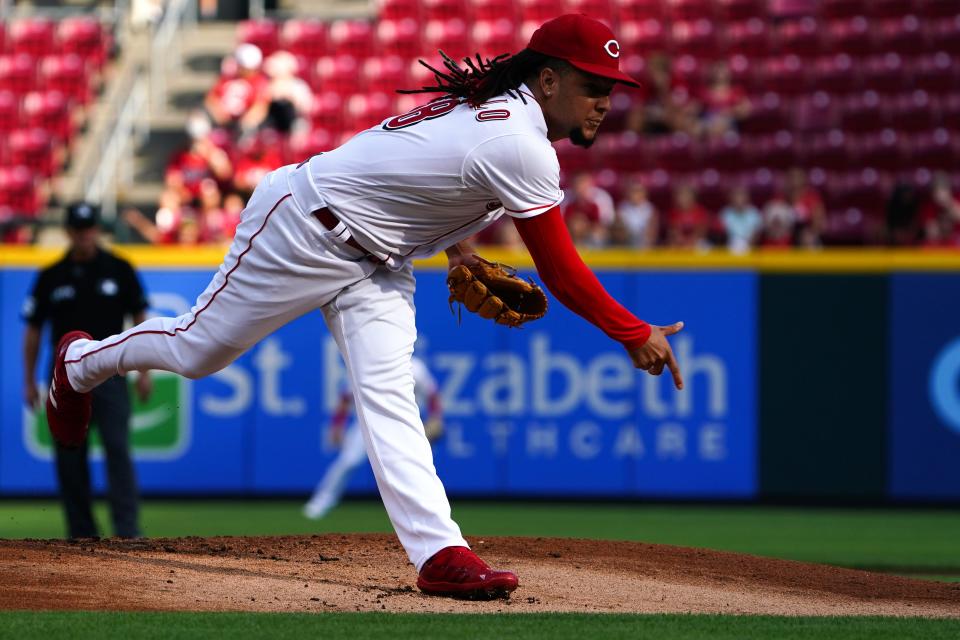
[
  {"x": 800, "y": 37},
  {"x": 936, "y": 149},
  {"x": 49, "y": 110},
  {"x": 398, "y": 9},
  {"x": 326, "y": 112},
  {"x": 937, "y": 8},
  {"x": 495, "y": 10},
  {"x": 306, "y": 38},
  {"x": 776, "y": 151},
  {"x": 843, "y": 8},
  {"x": 33, "y": 148},
  {"x": 815, "y": 112},
  {"x": 33, "y": 36},
  {"x": 675, "y": 152},
  {"x": 639, "y": 10},
  {"x": 597, "y": 9},
  {"x": 829, "y": 151},
  {"x": 762, "y": 184},
  {"x": 365, "y": 110},
  {"x": 913, "y": 111},
  {"x": 852, "y": 36},
  {"x": 948, "y": 107},
  {"x": 85, "y": 37},
  {"x": 862, "y": 112},
  {"x": 749, "y": 37},
  {"x": 337, "y": 73},
  {"x": 886, "y": 149},
  {"x": 351, "y": 37},
  {"x": 309, "y": 145},
  {"x": 943, "y": 34},
  {"x": 767, "y": 116},
  {"x": 712, "y": 190},
  {"x": 627, "y": 152},
  {"x": 643, "y": 37},
  {"x": 400, "y": 37},
  {"x": 540, "y": 11},
  {"x": 935, "y": 72},
  {"x": 785, "y": 75},
  {"x": 18, "y": 190},
  {"x": 67, "y": 74},
  {"x": 836, "y": 74},
  {"x": 688, "y": 72},
  {"x": 494, "y": 37},
  {"x": 885, "y": 74},
  {"x": 9, "y": 112},
  {"x": 725, "y": 151},
  {"x": 265, "y": 34},
  {"x": 385, "y": 73},
  {"x": 901, "y": 35},
  {"x": 446, "y": 10},
  {"x": 18, "y": 73},
  {"x": 450, "y": 36},
  {"x": 742, "y": 9},
  {"x": 690, "y": 9},
  {"x": 696, "y": 37}
]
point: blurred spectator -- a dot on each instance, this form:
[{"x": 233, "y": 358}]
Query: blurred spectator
[
  {"x": 723, "y": 105},
  {"x": 636, "y": 219},
  {"x": 687, "y": 222},
  {"x": 667, "y": 106},
  {"x": 241, "y": 99},
  {"x": 741, "y": 221},
  {"x": 170, "y": 219},
  {"x": 811, "y": 218},
  {"x": 941, "y": 215},
  {"x": 779, "y": 219},
  {"x": 258, "y": 155},
  {"x": 585, "y": 233},
  {"x": 290, "y": 96},
  {"x": 202, "y": 160},
  {"x": 587, "y": 199},
  {"x": 902, "y": 209}
]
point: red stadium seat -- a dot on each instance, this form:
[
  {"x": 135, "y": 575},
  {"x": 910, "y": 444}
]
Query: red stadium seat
[
  {"x": 540, "y": 11},
  {"x": 67, "y": 74},
  {"x": 449, "y": 36},
  {"x": 842, "y": 8},
  {"x": 800, "y": 37},
  {"x": 398, "y": 9},
  {"x": 712, "y": 189},
  {"x": 690, "y": 9},
  {"x": 862, "y": 112},
  {"x": 400, "y": 37},
  {"x": 422, "y": 76},
  {"x": 676, "y": 152},
  {"x": 688, "y": 72},
  {"x": 948, "y": 107},
  {"x": 742, "y": 9},
  {"x": 640, "y": 10},
  {"x": 495, "y": 10},
  {"x": 265, "y": 34},
  {"x": 597, "y": 9},
  {"x": 863, "y": 190},
  {"x": 884, "y": 150},
  {"x": 33, "y": 148},
  {"x": 836, "y": 74},
  {"x": 366, "y": 110},
  {"x": 943, "y": 34},
  {"x": 901, "y": 35},
  {"x": 494, "y": 37},
  {"x": 912, "y": 111},
  {"x": 18, "y": 190},
  {"x": 827, "y": 151},
  {"x": 762, "y": 184},
  {"x": 85, "y": 37},
  {"x": 49, "y": 110},
  {"x": 326, "y": 111},
  {"x": 446, "y": 10},
  {"x": 936, "y": 72},
  {"x": 337, "y": 73},
  {"x": 744, "y": 74},
  {"x": 627, "y": 152},
  {"x": 775, "y": 151},
  {"x": 309, "y": 145},
  {"x": 725, "y": 151},
  {"x": 768, "y": 115},
  {"x": 696, "y": 37},
  {"x": 891, "y": 8},
  {"x": 885, "y": 74},
  {"x": 815, "y": 112},
  {"x": 852, "y": 36},
  {"x": 935, "y": 150},
  {"x": 9, "y": 111},
  {"x": 749, "y": 37},
  {"x": 786, "y": 75},
  {"x": 306, "y": 38},
  {"x": 642, "y": 37},
  {"x": 351, "y": 37},
  {"x": 386, "y": 73},
  {"x": 33, "y": 36},
  {"x": 18, "y": 73},
  {"x": 937, "y": 8}
]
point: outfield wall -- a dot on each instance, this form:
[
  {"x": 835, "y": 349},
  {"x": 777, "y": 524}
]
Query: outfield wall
[{"x": 833, "y": 376}]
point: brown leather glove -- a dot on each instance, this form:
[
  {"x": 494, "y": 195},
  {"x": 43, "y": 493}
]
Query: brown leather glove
[{"x": 494, "y": 291}]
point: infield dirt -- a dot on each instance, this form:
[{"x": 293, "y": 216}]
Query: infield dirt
[{"x": 369, "y": 572}]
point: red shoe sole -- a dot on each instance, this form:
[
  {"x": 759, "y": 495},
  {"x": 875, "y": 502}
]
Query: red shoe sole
[{"x": 495, "y": 588}]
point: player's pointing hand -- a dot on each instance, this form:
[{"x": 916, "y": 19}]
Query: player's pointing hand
[{"x": 655, "y": 354}]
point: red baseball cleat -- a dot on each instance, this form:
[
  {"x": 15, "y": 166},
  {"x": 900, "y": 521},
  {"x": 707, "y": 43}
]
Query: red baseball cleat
[
  {"x": 459, "y": 573},
  {"x": 68, "y": 412}
]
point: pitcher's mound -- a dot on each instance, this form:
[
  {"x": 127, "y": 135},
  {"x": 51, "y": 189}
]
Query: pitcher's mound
[{"x": 370, "y": 572}]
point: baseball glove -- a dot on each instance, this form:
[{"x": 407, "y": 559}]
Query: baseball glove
[{"x": 493, "y": 291}]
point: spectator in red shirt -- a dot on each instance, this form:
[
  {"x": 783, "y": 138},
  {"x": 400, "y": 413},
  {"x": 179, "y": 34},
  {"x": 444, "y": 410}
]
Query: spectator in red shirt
[
  {"x": 589, "y": 200},
  {"x": 202, "y": 160},
  {"x": 811, "y": 218},
  {"x": 723, "y": 105},
  {"x": 241, "y": 100},
  {"x": 779, "y": 219},
  {"x": 687, "y": 222},
  {"x": 940, "y": 215}
]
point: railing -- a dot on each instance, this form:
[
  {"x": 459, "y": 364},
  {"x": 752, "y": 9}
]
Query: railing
[
  {"x": 130, "y": 129},
  {"x": 178, "y": 20}
]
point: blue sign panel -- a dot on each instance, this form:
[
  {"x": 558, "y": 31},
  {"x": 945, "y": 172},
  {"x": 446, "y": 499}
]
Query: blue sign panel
[
  {"x": 925, "y": 387},
  {"x": 555, "y": 409}
]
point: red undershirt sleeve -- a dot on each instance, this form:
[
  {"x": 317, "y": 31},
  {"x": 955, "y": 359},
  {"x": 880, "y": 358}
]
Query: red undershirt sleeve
[{"x": 573, "y": 283}]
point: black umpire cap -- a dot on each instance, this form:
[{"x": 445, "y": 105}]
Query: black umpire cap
[{"x": 82, "y": 215}]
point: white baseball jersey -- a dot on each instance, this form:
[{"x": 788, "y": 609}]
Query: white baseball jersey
[{"x": 420, "y": 182}]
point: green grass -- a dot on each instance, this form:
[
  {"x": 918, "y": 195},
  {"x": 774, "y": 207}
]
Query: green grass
[
  {"x": 121, "y": 626},
  {"x": 903, "y": 541}
]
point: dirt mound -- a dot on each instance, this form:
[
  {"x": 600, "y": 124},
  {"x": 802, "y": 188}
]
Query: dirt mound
[{"x": 370, "y": 572}]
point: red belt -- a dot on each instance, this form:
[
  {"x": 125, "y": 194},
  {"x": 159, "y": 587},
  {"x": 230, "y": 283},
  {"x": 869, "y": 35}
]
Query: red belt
[{"x": 330, "y": 221}]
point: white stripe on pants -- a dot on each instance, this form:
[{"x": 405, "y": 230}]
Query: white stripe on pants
[{"x": 283, "y": 264}]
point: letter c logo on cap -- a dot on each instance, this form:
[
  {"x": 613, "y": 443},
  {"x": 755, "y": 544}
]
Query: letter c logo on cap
[{"x": 612, "y": 48}]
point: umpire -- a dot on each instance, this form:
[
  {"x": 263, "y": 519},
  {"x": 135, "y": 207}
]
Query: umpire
[{"x": 93, "y": 290}]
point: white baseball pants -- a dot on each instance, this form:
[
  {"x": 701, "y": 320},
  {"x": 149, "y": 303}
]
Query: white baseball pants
[{"x": 284, "y": 263}]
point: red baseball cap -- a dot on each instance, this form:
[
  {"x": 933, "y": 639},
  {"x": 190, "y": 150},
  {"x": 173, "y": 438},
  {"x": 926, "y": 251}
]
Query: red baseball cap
[{"x": 587, "y": 44}]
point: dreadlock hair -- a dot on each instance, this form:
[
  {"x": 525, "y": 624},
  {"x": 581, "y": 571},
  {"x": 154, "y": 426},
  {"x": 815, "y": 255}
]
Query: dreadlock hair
[{"x": 483, "y": 79}]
